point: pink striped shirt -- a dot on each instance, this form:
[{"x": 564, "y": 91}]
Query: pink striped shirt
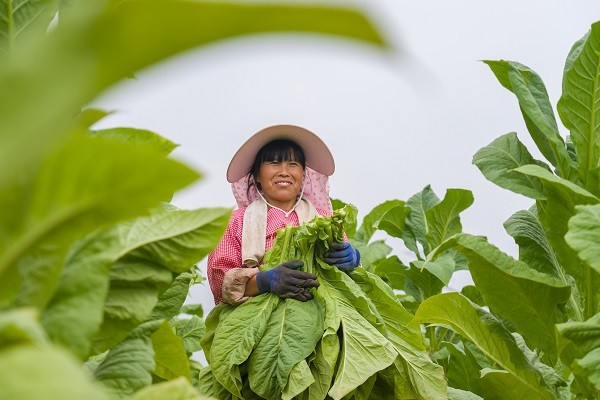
[{"x": 228, "y": 253}]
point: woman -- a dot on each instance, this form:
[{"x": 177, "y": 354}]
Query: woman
[{"x": 279, "y": 178}]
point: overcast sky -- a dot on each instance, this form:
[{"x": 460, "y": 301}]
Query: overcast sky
[{"x": 394, "y": 124}]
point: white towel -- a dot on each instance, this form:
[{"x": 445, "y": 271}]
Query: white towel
[{"x": 254, "y": 230}]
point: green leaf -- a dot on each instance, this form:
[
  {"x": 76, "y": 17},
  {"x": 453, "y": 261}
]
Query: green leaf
[
  {"x": 22, "y": 19},
  {"x": 479, "y": 327},
  {"x": 137, "y": 137},
  {"x": 31, "y": 372},
  {"x": 528, "y": 298},
  {"x": 89, "y": 116},
  {"x": 537, "y": 112},
  {"x": 372, "y": 253},
  {"x": 128, "y": 366},
  {"x": 75, "y": 313},
  {"x": 291, "y": 335},
  {"x": 135, "y": 288},
  {"x": 299, "y": 380},
  {"x": 209, "y": 386},
  {"x": 236, "y": 336},
  {"x": 20, "y": 326},
  {"x": 193, "y": 309},
  {"x": 580, "y": 351},
  {"x": 423, "y": 377},
  {"x": 554, "y": 214},
  {"x": 176, "y": 389},
  {"x": 364, "y": 352},
  {"x": 589, "y": 367},
  {"x": 178, "y": 239},
  {"x": 65, "y": 197},
  {"x": 421, "y": 283},
  {"x": 584, "y": 235},
  {"x": 96, "y": 45},
  {"x": 370, "y": 221},
  {"x": 497, "y": 160},
  {"x": 573, "y": 55},
  {"x": 579, "y": 106},
  {"x": 462, "y": 369},
  {"x": 190, "y": 331},
  {"x": 534, "y": 248},
  {"x": 393, "y": 221},
  {"x": 416, "y": 227},
  {"x": 170, "y": 358},
  {"x": 443, "y": 218},
  {"x": 170, "y": 301},
  {"x": 393, "y": 271}
]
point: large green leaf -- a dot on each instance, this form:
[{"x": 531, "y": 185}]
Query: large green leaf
[
  {"x": 537, "y": 111},
  {"x": 291, "y": 335},
  {"x": 190, "y": 331},
  {"x": 572, "y": 56},
  {"x": 443, "y": 219},
  {"x": 75, "y": 313},
  {"x": 579, "y": 106},
  {"x": 139, "y": 137},
  {"x": 20, "y": 19},
  {"x": 416, "y": 227},
  {"x": 364, "y": 350},
  {"x": 369, "y": 223},
  {"x": 393, "y": 221},
  {"x": 584, "y": 235},
  {"x": 128, "y": 366},
  {"x": 170, "y": 301},
  {"x": 67, "y": 196},
  {"x": 170, "y": 358},
  {"x": 31, "y": 372},
  {"x": 425, "y": 378},
  {"x": 562, "y": 197},
  {"x": 583, "y": 354},
  {"x": 497, "y": 160},
  {"x": 96, "y": 45},
  {"x": 534, "y": 248},
  {"x": 481, "y": 328},
  {"x": 236, "y": 336},
  {"x": 530, "y": 299},
  {"x": 20, "y": 326},
  {"x": 462, "y": 370}
]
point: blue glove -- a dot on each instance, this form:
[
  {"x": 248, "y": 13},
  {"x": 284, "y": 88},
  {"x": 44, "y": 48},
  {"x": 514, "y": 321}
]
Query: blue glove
[
  {"x": 287, "y": 282},
  {"x": 343, "y": 256}
]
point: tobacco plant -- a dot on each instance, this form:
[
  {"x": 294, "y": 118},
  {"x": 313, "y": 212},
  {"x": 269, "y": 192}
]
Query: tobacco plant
[{"x": 529, "y": 328}]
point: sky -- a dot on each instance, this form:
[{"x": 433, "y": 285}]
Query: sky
[{"x": 394, "y": 122}]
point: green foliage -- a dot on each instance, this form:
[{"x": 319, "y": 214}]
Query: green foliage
[{"x": 95, "y": 265}]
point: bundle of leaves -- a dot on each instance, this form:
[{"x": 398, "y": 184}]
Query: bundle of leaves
[{"x": 353, "y": 341}]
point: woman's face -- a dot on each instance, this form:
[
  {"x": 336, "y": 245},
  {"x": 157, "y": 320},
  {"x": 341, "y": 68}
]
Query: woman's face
[{"x": 281, "y": 182}]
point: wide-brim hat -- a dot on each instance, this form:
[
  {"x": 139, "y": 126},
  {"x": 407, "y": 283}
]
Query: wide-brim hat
[{"x": 316, "y": 153}]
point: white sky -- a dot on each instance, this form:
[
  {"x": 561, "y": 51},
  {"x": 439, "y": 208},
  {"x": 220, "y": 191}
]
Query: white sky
[{"x": 393, "y": 126}]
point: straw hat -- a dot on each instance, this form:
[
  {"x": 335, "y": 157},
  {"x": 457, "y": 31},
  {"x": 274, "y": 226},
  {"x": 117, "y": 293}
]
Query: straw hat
[{"x": 318, "y": 156}]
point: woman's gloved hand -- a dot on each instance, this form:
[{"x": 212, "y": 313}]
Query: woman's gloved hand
[
  {"x": 287, "y": 282},
  {"x": 343, "y": 256}
]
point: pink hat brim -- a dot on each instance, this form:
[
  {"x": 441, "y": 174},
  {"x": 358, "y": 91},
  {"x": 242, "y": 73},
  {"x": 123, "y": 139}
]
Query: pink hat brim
[{"x": 318, "y": 156}]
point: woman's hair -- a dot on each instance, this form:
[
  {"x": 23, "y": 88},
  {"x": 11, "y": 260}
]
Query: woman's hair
[{"x": 277, "y": 150}]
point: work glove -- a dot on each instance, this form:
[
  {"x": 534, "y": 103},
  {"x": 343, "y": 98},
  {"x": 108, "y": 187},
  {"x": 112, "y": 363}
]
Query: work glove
[
  {"x": 343, "y": 256},
  {"x": 287, "y": 282}
]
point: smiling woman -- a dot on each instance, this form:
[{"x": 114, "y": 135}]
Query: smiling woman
[
  {"x": 280, "y": 178},
  {"x": 279, "y": 171}
]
